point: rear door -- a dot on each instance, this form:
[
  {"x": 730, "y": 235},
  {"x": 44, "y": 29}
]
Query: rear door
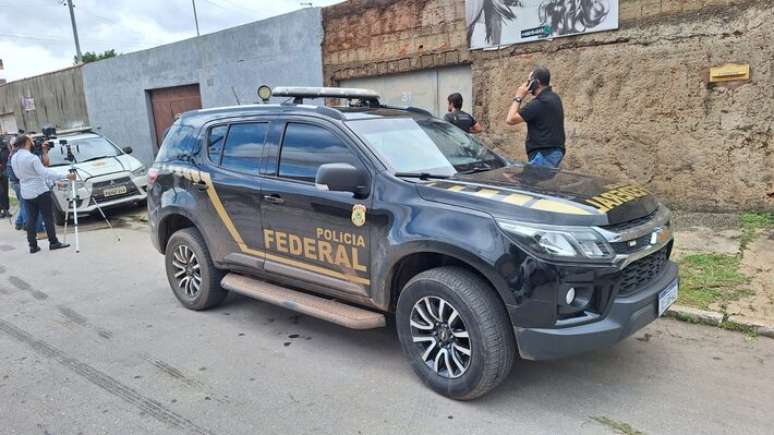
[
  {"x": 234, "y": 151},
  {"x": 315, "y": 236}
]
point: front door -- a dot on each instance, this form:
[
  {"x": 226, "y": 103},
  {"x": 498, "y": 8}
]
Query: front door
[
  {"x": 234, "y": 151},
  {"x": 315, "y": 236}
]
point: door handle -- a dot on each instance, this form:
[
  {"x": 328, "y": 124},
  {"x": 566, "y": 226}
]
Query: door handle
[
  {"x": 274, "y": 199},
  {"x": 201, "y": 185}
]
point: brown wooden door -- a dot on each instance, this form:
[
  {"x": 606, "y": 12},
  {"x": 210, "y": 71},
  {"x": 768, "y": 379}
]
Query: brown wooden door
[{"x": 168, "y": 102}]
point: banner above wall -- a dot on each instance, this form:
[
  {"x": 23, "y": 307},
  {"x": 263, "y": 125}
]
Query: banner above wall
[{"x": 493, "y": 23}]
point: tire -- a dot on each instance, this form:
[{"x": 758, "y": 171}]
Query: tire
[
  {"x": 480, "y": 313},
  {"x": 187, "y": 253}
]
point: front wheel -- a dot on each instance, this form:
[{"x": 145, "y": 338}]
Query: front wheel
[
  {"x": 455, "y": 332},
  {"x": 194, "y": 279}
]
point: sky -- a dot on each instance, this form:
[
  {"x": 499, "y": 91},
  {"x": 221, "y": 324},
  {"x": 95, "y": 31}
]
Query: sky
[{"x": 36, "y": 35}]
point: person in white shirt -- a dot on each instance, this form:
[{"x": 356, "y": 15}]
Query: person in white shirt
[{"x": 34, "y": 179}]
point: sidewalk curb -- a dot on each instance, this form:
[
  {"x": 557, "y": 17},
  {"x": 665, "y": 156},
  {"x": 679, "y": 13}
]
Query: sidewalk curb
[{"x": 712, "y": 318}]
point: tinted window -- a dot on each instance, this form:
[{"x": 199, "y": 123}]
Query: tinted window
[
  {"x": 306, "y": 147},
  {"x": 177, "y": 143},
  {"x": 215, "y": 142},
  {"x": 243, "y": 147}
]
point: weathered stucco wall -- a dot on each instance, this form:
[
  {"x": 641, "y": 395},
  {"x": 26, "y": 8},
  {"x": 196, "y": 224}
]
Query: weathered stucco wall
[
  {"x": 637, "y": 105},
  {"x": 59, "y": 100},
  {"x": 636, "y": 102},
  {"x": 283, "y": 50}
]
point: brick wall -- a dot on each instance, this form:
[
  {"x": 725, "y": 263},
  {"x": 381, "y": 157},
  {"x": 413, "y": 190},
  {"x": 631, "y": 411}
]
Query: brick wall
[
  {"x": 376, "y": 37},
  {"x": 636, "y": 101}
]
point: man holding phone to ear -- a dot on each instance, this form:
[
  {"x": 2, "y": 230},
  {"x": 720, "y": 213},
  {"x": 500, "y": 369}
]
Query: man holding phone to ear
[{"x": 544, "y": 116}]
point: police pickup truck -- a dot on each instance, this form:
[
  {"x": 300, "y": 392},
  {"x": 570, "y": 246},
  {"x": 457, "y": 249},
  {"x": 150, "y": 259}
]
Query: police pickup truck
[{"x": 352, "y": 213}]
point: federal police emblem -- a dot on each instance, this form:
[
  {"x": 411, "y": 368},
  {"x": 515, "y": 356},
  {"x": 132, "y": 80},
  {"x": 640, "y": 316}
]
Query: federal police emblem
[{"x": 358, "y": 215}]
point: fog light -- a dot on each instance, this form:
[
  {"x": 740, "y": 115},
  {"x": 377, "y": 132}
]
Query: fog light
[{"x": 570, "y": 296}]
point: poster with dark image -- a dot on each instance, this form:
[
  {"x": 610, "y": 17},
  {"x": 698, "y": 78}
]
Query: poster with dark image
[{"x": 492, "y": 23}]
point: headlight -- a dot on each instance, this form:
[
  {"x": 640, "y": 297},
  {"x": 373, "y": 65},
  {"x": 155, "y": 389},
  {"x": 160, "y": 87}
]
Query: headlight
[
  {"x": 563, "y": 243},
  {"x": 140, "y": 171}
]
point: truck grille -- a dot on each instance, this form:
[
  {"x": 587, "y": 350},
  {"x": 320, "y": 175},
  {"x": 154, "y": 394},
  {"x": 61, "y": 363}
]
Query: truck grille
[
  {"x": 623, "y": 226},
  {"x": 643, "y": 271}
]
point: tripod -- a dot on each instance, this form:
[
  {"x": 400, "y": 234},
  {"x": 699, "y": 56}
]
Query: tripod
[{"x": 75, "y": 199}]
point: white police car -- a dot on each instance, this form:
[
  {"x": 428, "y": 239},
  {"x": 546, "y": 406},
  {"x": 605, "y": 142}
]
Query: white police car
[{"x": 107, "y": 175}]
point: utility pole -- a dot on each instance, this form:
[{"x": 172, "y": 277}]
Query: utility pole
[
  {"x": 78, "y": 55},
  {"x": 196, "y": 19}
]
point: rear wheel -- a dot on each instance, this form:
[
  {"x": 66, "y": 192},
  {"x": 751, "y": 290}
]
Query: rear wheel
[
  {"x": 455, "y": 332},
  {"x": 193, "y": 277}
]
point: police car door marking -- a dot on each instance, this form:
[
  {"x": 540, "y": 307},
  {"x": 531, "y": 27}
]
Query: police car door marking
[{"x": 224, "y": 217}]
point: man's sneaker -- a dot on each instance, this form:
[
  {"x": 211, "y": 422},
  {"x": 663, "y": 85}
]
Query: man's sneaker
[
  {"x": 58, "y": 245},
  {"x": 34, "y": 249}
]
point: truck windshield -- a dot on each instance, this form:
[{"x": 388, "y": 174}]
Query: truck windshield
[
  {"x": 428, "y": 146},
  {"x": 90, "y": 148}
]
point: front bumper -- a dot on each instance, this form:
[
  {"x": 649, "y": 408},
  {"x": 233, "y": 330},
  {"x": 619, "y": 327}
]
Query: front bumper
[
  {"x": 89, "y": 198},
  {"x": 627, "y": 315}
]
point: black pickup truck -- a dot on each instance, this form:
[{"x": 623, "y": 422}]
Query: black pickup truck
[{"x": 353, "y": 213}]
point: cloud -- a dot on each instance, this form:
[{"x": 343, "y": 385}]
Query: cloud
[{"x": 36, "y": 36}]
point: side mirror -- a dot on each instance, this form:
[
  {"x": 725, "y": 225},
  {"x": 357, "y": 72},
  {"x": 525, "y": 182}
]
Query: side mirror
[
  {"x": 342, "y": 177},
  {"x": 128, "y": 150}
]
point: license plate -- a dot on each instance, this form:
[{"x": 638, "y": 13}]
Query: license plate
[
  {"x": 112, "y": 191},
  {"x": 666, "y": 298}
]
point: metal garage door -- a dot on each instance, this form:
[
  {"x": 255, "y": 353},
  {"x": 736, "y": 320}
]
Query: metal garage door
[
  {"x": 8, "y": 123},
  {"x": 427, "y": 89},
  {"x": 168, "y": 102}
]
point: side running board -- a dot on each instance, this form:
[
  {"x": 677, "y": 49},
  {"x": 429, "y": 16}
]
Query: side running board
[{"x": 315, "y": 306}]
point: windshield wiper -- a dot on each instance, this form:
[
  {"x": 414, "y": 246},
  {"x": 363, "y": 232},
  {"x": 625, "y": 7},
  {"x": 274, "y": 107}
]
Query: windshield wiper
[
  {"x": 421, "y": 175},
  {"x": 95, "y": 158},
  {"x": 479, "y": 168}
]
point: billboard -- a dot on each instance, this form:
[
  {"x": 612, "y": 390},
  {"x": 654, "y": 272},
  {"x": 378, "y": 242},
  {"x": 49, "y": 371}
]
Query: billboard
[{"x": 492, "y": 23}]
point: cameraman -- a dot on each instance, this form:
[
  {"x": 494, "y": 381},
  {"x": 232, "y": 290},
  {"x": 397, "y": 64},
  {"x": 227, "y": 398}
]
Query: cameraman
[
  {"x": 33, "y": 177},
  {"x": 21, "y": 215},
  {"x": 544, "y": 116}
]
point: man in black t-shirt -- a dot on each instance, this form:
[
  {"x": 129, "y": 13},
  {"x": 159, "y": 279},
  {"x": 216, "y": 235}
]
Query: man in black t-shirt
[
  {"x": 544, "y": 116},
  {"x": 465, "y": 121}
]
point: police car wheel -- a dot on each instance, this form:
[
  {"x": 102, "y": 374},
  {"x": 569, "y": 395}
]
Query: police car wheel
[
  {"x": 195, "y": 281},
  {"x": 455, "y": 332}
]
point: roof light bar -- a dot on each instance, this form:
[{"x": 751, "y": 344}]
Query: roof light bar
[{"x": 301, "y": 92}]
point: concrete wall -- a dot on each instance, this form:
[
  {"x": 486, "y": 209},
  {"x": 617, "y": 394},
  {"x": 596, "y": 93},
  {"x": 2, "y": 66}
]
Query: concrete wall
[
  {"x": 59, "y": 100},
  {"x": 283, "y": 50},
  {"x": 636, "y": 102}
]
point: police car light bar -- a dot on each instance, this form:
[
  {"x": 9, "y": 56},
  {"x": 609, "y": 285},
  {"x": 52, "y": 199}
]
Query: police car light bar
[{"x": 301, "y": 92}]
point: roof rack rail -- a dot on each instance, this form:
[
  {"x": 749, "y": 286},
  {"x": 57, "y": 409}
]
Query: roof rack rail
[
  {"x": 298, "y": 93},
  {"x": 410, "y": 109}
]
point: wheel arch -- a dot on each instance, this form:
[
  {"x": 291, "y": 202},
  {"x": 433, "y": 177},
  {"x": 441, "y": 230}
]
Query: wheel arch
[
  {"x": 405, "y": 266},
  {"x": 172, "y": 222}
]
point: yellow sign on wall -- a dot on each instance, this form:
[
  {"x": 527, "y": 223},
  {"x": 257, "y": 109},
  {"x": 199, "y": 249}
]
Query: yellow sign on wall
[{"x": 729, "y": 72}]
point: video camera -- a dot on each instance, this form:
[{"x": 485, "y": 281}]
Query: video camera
[{"x": 46, "y": 138}]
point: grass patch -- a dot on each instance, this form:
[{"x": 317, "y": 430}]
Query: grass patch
[
  {"x": 750, "y": 224},
  {"x": 618, "y": 426},
  {"x": 706, "y": 279}
]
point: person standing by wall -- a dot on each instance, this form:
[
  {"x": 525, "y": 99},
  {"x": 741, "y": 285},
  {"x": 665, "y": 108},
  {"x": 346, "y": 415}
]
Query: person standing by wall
[
  {"x": 34, "y": 179},
  {"x": 5, "y": 201},
  {"x": 456, "y": 116},
  {"x": 544, "y": 116}
]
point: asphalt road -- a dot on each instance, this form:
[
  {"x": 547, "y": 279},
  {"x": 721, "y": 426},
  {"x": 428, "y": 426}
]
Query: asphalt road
[{"x": 96, "y": 343}]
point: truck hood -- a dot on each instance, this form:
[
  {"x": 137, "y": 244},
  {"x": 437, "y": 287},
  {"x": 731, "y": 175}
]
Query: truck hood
[
  {"x": 101, "y": 167},
  {"x": 536, "y": 194}
]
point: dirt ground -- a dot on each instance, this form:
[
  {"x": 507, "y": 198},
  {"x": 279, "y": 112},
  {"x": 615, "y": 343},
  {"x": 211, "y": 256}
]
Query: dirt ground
[{"x": 758, "y": 264}]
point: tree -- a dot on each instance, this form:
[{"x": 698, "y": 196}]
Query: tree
[{"x": 91, "y": 56}]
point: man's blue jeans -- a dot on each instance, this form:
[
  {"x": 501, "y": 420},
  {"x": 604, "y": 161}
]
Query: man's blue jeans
[
  {"x": 549, "y": 158},
  {"x": 21, "y": 216}
]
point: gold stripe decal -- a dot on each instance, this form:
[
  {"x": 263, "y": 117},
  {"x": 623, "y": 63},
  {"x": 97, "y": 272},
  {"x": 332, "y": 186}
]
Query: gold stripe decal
[
  {"x": 517, "y": 199},
  {"x": 455, "y": 188},
  {"x": 486, "y": 193},
  {"x": 229, "y": 224},
  {"x": 558, "y": 207}
]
